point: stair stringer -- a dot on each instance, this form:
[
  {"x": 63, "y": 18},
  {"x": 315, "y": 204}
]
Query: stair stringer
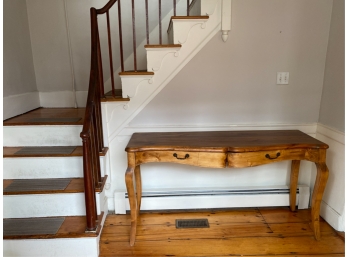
[{"x": 116, "y": 116}]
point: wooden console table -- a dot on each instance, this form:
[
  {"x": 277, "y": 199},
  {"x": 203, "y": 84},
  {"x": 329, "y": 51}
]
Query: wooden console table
[{"x": 222, "y": 149}]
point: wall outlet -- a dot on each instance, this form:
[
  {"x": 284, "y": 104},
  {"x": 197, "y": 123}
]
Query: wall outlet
[{"x": 282, "y": 78}]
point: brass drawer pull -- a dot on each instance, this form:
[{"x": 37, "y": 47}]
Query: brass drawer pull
[
  {"x": 186, "y": 156},
  {"x": 269, "y": 157}
]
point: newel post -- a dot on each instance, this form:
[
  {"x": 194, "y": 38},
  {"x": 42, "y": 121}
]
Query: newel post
[
  {"x": 226, "y": 18},
  {"x": 90, "y": 201}
]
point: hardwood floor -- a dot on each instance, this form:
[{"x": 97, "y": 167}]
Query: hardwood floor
[{"x": 241, "y": 232}]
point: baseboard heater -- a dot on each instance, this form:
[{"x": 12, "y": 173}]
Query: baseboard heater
[{"x": 208, "y": 198}]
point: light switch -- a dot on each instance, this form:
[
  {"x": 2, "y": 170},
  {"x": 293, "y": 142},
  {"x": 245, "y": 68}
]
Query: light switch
[{"x": 282, "y": 78}]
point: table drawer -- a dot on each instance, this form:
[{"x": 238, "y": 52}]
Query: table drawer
[
  {"x": 250, "y": 159},
  {"x": 201, "y": 159}
]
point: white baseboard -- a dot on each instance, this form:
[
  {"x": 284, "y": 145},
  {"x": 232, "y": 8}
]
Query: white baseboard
[
  {"x": 17, "y": 104},
  {"x": 60, "y": 99},
  {"x": 332, "y": 217},
  {"x": 63, "y": 99},
  {"x": 331, "y": 133}
]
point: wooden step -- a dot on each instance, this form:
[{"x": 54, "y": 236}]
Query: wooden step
[
  {"x": 163, "y": 46},
  {"x": 44, "y": 151},
  {"x": 185, "y": 18},
  {"x": 189, "y": 17},
  {"x": 118, "y": 96},
  {"x": 136, "y": 73},
  {"x": 72, "y": 227},
  {"x": 49, "y": 116},
  {"x": 45, "y": 186}
]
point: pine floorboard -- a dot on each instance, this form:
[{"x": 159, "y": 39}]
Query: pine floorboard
[{"x": 240, "y": 232}]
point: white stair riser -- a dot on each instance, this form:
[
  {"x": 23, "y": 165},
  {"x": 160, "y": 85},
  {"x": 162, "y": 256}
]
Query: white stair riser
[
  {"x": 47, "y": 167},
  {"x": 181, "y": 29},
  {"x": 60, "y": 247},
  {"x": 130, "y": 84},
  {"x": 155, "y": 57},
  {"x": 45, "y": 205},
  {"x": 42, "y": 135}
]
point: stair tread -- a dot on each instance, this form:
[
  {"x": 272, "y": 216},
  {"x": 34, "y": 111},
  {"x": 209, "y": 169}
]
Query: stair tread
[
  {"x": 45, "y": 151},
  {"x": 44, "y": 186},
  {"x": 116, "y": 98},
  {"x": 72, "y": 227},
  {"x": 162, "y": 46},
  {"x": 118, "y": 93},
  {"x": 189, "y": 17},
  {"x": 136, "y": 73},
  {"x": 49, "y": 116}
]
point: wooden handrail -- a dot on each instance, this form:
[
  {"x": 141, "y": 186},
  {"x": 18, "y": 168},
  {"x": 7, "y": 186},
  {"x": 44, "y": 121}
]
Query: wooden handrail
[
  {"x": 106, "y": 7},
  {"x": 92, "y": 132}
]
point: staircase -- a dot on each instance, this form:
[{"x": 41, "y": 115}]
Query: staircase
[
  {"x": 43, "y": 197},
  {"x": 44, "y": 192},
  {"x": 187, "y": 35}
]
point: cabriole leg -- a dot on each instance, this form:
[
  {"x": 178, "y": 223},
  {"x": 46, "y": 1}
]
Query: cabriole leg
[{"x": 318, "y": 191}]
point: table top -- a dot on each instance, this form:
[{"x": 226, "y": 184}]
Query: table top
[{"x": 223, "y": 141}]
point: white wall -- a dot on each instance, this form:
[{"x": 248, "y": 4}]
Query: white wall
[
  {"x": 332, "y": 101},
  {"x": 232, "y": 86},
  {"x": 332, "y": 120},
  {"x": 235, "y": 82},
  {"x": 19, "y": 80}
]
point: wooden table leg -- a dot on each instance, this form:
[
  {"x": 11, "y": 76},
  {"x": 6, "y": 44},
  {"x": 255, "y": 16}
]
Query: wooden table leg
[
  {"x": 131, "y": 196},
  {"x": 295, "y": 168},
  {"x": 318, "y": 191},
  {"x": 137, "y": 174}
]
